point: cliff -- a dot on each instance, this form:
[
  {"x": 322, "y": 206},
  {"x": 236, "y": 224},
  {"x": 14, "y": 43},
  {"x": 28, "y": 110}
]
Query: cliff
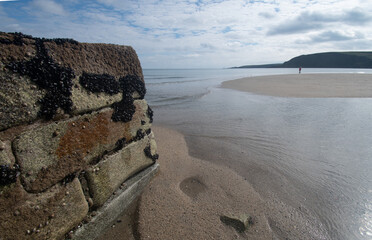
[
  {"x": 75, "y": 135},
  {"x": 325, "y": 60},
  {"x": 332, "y": 60}
]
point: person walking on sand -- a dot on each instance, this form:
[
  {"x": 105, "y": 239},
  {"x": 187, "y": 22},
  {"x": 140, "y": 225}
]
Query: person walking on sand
[{"x": 299, "y": 70}]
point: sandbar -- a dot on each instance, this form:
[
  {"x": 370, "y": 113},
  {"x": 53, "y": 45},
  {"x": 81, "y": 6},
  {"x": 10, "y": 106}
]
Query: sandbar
[{"x": 306, "y": 85}]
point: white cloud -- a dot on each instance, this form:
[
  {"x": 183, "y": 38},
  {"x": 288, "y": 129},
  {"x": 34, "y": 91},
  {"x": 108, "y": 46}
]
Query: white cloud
[
  {"x": 190, "y": 33},
  {"x": 192, "y": 55},
  {"x": 307, "y": 21},
  {"x": 50, "y": 7},
  {"x": 332, "y": 36}
]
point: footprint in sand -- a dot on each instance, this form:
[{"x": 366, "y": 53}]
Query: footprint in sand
[{"x": 192, "y": 186}]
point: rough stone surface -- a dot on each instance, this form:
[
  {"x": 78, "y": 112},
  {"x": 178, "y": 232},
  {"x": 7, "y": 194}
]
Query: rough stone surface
[
  {"x": 49, "y": 215},
  {"x": 6, "y": 160},
  {"x": 18, "y": 100},
  {"x": 105, "y": 177},
  {"x": 140, "y": 119},
  {"x": 12, "y": 52},
  {"x": 84, "y": 101},
  {"x": 240, "y": 223},
  {"x": 153, "y": 146},
  {"x": 109, "y": 59},
  {"x": 49, "y": 153},
  {"x": 6, "y": 156},
  {"x": 74, "y": 126},
  {"x": 26, "y": 100},
  {"x": 114, "y": 207}
]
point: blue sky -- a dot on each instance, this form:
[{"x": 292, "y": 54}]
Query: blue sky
[{"x": 200, "y": 33}]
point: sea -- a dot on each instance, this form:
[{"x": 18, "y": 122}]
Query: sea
[{"x": 311, "y": 152}]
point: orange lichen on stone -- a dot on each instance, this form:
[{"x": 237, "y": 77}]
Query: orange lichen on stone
[
  {"x": 83, "y": 136},
  {"x": 73, "y": 145},
  {"x": 84, "y": 140}
]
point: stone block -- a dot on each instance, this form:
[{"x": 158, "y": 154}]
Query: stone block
[
  {"x": 140, "y": 119},
  {"x": 42, "y": 77},
  {"x": 6, "y": 155},
  {"x": 153, "y": 146},
  {"x": 48, "y": 215},
  {"x": 49, "y": 153},
  {"x": 84, "y": 101},
  {"x": 115, "y": 60},
  {"x": 68, "y": 107},
  {"x": 8, "y": 171},
  {"x": 99, "y": 60},
  {"x": 18, "y": 51},
  {"x": 105, "y": 177},
  {"x": 18, "y": 100}
]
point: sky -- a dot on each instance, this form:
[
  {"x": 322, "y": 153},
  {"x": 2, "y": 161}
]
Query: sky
[{"x": 200, "y": 33}]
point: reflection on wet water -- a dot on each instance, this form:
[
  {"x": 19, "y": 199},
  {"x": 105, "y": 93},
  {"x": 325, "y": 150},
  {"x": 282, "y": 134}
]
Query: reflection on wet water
[
  {"x": 317, "y": 152},
  {"x": 365, "y": 228}
]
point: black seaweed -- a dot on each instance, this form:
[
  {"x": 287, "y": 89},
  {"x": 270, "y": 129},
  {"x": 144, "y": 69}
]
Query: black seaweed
[
  {"x": 69, "y": 178},
  {"x": 150, "y": 114},
  {"x": 18, "y": 39},
  {"x": 140, "y": 134},
  {"x": 20, "y": 35},
  {"x": 45, "y": 73},
  {"x": 8, "y": 174},
  {"x": 148, "y": 131},
  {"x": 120, "y": 144},
  {"x": 5, "y": 41},
  {"x": 131, "y": 83},
  {"x": 124, "y": 110},
  {"x": 148, "y": 154},
  {"x": 98, "y": 83},
  {"x": 60, "y": 41}
]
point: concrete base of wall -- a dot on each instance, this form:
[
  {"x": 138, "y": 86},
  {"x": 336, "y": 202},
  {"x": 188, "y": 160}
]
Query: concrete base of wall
[{"x": 113, "y": 208}]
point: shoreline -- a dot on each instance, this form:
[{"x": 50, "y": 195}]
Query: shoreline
[
  {"x": 306, "y": 85},
  {"x": 189, "y": 195}
]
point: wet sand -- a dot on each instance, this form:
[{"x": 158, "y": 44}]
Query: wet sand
[
  {"x": 306, "y": 85},
  {"x": 188, "y": 197}
]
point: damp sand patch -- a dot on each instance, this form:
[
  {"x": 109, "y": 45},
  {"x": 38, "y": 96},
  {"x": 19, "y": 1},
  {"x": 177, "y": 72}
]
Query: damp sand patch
[{"x": 192, "y": 187}]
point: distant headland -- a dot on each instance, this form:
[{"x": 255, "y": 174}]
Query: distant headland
[{"x": 324, "y": 60}]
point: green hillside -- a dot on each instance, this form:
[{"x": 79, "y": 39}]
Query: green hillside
[{"x": 325, "y": 60}]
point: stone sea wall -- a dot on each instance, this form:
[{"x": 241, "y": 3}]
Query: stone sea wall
[{"x": 74, "y": 130}]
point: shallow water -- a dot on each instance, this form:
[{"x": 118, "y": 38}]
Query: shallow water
[{"x": 315, "y": 153}]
